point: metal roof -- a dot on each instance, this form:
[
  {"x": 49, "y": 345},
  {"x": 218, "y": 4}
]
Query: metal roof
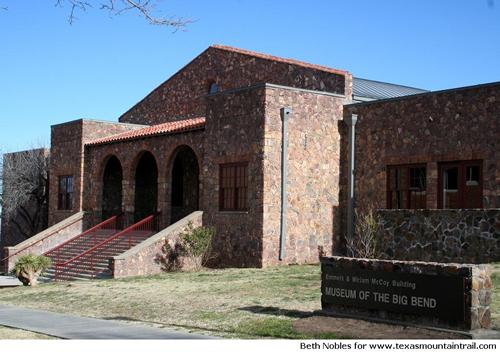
[{"x": 366, "y": 89}]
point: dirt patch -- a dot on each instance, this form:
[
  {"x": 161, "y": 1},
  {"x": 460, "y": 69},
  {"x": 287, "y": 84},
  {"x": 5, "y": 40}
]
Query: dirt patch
[{"x": 361, "y": 329}]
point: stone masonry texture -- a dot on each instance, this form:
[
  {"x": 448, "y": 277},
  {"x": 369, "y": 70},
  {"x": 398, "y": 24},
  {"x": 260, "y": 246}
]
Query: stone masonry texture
[
  {"x": 182, "y": 96},
  {"x": 459, "y": 124},
  {"x": 444, "y": 235},
  {"x": 67, "y": 159}
]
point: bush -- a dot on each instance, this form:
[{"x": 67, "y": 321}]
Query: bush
[
  {"x": 364, "y": 243},
  {"x": 29, "y": 267},
  {"x": 191, "y": 251}
]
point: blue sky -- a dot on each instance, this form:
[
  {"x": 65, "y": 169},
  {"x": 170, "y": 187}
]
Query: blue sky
[{"x": 51, "y": 72}]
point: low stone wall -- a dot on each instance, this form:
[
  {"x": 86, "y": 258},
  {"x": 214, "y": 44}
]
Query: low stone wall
[
  {"x": 143, "y": 259},
  {"x": 47, "y": 239},
  {"x": 443, "y": 235},
  {"x": 453, "y": 296}
]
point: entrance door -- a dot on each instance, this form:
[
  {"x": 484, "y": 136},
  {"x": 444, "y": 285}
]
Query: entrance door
[{"x": 460, "y": 185}]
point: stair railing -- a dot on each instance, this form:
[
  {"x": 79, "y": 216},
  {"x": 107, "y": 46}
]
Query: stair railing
[
  {"x": 148, "y": 225},
  {"x": 113, "y": 223}
]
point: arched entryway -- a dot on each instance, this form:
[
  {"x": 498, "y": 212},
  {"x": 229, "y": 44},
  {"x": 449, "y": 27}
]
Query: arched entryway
[
  {"x": 112, "y": 192},
  {"x": 146, "y": 187},
  {"x": 185, "y": 183}
]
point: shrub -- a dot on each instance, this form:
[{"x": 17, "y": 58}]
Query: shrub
[
  {"x": 29, "y": 267},
  {"x": 191, "y": 251},
  {"x": 364, "y": 242},
  {"x": 196, "y": 241}
]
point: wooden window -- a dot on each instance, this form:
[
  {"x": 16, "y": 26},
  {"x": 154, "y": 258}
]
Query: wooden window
[
  {"x": 406, "y": 187},
  {"x": 233, "y": 187},
  {"x": 460, "y": 185},
  {"x": 65, "y": 198}
]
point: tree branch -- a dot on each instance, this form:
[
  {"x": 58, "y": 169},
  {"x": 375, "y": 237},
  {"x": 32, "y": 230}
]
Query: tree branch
[{"x": 145, "y": 8}]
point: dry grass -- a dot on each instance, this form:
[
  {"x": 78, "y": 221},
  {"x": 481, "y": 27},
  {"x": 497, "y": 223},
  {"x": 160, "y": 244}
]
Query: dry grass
[
  {"x": 17, "y": 334},
  {"x": 246, "y": 303},
  {"x": 219, "y": 302}
]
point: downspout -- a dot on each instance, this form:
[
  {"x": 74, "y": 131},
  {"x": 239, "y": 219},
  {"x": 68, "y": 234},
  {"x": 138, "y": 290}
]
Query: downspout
[
  {"x": 351, "y": 122},
  {"x": 285, "y": 114}
]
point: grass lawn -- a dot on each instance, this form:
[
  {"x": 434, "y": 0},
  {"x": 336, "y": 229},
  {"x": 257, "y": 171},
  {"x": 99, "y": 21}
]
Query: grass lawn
[
  {"x": 17, "y": 334},
  {"x": 241, "y": 303},
  {"x": 245, "y": 303}
]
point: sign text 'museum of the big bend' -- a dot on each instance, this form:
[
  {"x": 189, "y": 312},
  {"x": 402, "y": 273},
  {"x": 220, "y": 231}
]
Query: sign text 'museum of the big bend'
[{"x": 415, "y": 294}]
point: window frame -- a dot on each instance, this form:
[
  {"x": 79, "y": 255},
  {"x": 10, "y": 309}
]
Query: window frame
[
  {"x": 64, "y": 196},
  {"x": 236, "y": 196},
  {"x": 407, "y": 187}
]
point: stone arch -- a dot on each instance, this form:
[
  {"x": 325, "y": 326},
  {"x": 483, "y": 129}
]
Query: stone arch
[
  {"x": 184, "y": 183},
  {"x": 112, "y": 189},
  {"x": 146, "y": 186}
]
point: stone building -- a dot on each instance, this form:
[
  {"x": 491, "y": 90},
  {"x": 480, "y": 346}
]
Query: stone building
[{"x": 210, "y": 138}]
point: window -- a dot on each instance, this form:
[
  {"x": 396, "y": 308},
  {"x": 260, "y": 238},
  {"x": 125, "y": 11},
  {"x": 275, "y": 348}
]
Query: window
[
  {"x": 233, "y": 187},
  {"x": 213, "y": 88},
  {"x": 406, "y": 187},
  {"x": 65, "y": 199},
  {"x": 460, "y": 185}
]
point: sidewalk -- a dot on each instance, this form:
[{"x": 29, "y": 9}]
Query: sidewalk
[
  {"x": 9, "y": 281},
  {"x": 73, "y": 327}
]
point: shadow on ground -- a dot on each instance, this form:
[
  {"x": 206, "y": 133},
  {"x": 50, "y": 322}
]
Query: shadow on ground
[{"x": 291, "y": 313}]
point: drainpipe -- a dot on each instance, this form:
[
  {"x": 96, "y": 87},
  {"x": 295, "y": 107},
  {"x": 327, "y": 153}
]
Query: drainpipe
[
  {"x": 351, "y": 122},
  {"x": 285, "y": 114}
]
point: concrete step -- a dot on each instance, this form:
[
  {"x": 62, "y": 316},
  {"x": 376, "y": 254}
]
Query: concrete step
[{"x": 79, "y": 269}]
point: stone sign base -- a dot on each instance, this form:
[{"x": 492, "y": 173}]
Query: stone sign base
[{"x": 450, "y": 296}]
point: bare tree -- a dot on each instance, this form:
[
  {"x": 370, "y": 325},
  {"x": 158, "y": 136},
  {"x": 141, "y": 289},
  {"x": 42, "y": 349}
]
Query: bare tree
[
  {"x": 145, "y": 8},
  {"x": 24, "y": 193},
  {"x": 364, "y": 242}
]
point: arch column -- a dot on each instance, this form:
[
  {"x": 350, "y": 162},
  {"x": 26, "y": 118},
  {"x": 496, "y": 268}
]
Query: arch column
[
  {"x": 163, "y": 202},
  {"x": 128, "y": 204}
]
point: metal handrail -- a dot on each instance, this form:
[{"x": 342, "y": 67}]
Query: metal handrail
[
  {"x": 143, "y": 223},
  {"x": 41, "y": 239},
  {"x": 92, "y": 229}
]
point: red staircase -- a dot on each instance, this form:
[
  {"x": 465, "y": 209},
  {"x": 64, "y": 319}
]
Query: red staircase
[
  {"x": 84, "y": 241},
  {"x": 87, "y": 255}
]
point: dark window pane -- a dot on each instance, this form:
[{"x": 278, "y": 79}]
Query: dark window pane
[
  {"x": 451, "y": 179},
  {"x": 472, "y": 176},
  {"x": 417, "y": 178},
  {"x": 214, "y": 88},
  {"x": 233, "y": 181},
  {"x": 65, "y": 196},
  {"x": 406, "y": 187}
]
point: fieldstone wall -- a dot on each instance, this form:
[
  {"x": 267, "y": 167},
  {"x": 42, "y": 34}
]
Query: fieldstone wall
[
  {"x": 183, "y": 95},
  {"x": 163, "y": 148},
  {"x": 313, "y": 175},
  {"x": 448, "y": 235},
  {"x": 47, "y": 239},
  {"x": 251, "y": 92},
  {"x": 234, "y": 133},
  {"x": 67, "y": 159},
  {"x": 146, "y": 257},
  {"x": 477, "y": 285},
  {"x": 451, "y": 125}
]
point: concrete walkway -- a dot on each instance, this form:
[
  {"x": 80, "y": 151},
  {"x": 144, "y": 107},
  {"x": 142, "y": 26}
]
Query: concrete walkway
[
  {"x": 73, "y": 327},
  {"x": 9, "y": 281}
]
